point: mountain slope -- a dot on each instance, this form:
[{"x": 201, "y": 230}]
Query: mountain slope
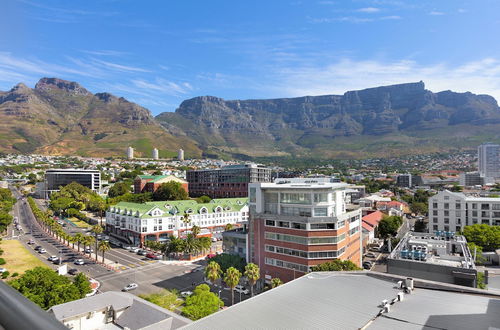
[
  {"x": 62, "y": 117},
  {"x": 381, "y": 121}
]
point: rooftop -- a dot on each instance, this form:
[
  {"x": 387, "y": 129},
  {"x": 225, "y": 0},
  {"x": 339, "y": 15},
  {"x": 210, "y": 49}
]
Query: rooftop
[
  {"x": 352, "y": 300},
  {"x": 306, "y": 183}
]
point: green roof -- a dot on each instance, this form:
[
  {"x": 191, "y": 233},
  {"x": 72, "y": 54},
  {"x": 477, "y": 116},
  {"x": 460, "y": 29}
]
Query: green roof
[{"x": 185, "y": 206}]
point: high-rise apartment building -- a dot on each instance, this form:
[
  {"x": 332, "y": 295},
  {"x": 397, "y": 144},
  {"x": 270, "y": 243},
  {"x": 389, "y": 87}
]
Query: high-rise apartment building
[
  {"x": 156, "y": 154},
  {"x": 228, "y": 181},
  {"x": 488, "y": 155},
  {"x": 130, "y": 153},
  {"x": 296, "y": 224},
  {"x": 180, "y": 155}
]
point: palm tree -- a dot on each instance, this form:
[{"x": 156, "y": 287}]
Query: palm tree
[
  {"x": 79, "y": 239},
  {"x": 96, "y": 230},
  {"x": 276, "y": 282},
  {"x": 185, "y": 218},
  {"x": 213, "y": 271},
  {"x": 191, "y": 245},
  {"x": 232, "y": 278},
  {"x": 229, "y": 226},
  {"x": 205, "y": 243},
  {"x": 195, "y": 230},
  {"x": 103, "y": 247},
  {"x": 252, "y": 272},
  {"x": 72, "y": 240},
  {"x": 89, "y": 240}
]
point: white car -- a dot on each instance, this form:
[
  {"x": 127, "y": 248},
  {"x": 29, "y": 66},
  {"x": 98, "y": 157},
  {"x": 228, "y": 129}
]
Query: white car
[
  {"x": 134, "y": 249},
  {"x": 42, "y": 250},
  {"x": 186, "y": 294},
  {"x": 87, "y": 250},
  {"x": 52, "y": 258},
  {"x": 131, "y": 286},
  {"x": 79, "y": 262},
  {"x": 241, "y": 289}
]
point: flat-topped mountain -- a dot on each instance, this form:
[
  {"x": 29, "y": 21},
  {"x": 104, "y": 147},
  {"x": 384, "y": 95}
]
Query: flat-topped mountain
[
  {"x": 371, "y": 121},
  {"x": 62, "y": 117}
]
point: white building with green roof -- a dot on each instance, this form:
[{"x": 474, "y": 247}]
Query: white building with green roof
[{"x": 135, "y": 223}]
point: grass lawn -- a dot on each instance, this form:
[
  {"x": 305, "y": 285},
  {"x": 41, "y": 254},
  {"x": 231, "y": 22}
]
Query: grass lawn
[
  {"x": 18, "y": 258},
  {"x": 79, "y": 223}
]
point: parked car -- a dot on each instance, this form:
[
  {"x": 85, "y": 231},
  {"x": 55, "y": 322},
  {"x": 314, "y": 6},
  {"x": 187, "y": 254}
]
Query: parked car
[
  {"x": 88, "y": 250},
  {"x": 38, "y": 247},
  {"x": 134, "y": 249},
  {"x": 142, "y": 252},
  {"x": 31, "y": 241},
  {"x": 42, "y": 250},
  {"x": 186, "y": 294},
  {"x": 152, "y": 256},
  {"x": 241, "y": 289},
  {"x": 52, "y": 258},
  {"x": 73, "y": 271},
  {"x": 370, "y": 255},
  {"x": 131, "y": 286},
  {"x": 367, "y": 265},
  {"x": 79, "y": 262}
]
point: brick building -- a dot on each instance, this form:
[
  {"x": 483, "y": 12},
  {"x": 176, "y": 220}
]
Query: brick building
[
  {"x": 299, "y": 223},
  {"x": 149, "y": 183}
]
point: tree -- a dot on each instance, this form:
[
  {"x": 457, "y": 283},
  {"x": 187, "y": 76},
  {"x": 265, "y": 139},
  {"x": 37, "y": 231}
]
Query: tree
[
  {"x": 226, "y": 260},
  {"x": 119, "y": 189},
  {"x": 228, "y": 226},
  {"x": 275, "y": 282},
  {"x": 418, "y": 208},
  {"x": 103, "y": 247},
  {"x": 79, "y": 239},
  {"x": 213, "y": 271},
  {"x": 252, "y": 272},
  {"x": 191, "y": 245},
  {"x": 389, "y": 226},
  {"x": 96, "y": 230},
  {"x": 485, "y": 236},
  {"x": 201, "y": 303},
  {"x": 170, "y": 191},
  {"x": 175, "y": 245},
  {"x": 186, "y": 218},
  {"x": 61, "y": 204},
  {"x": 46, "y": 288},
  {"x": 81, "y": 281},
  {"x": 232, "y": 278},
  {"x": 164, "y": 298},
  {"x": 195, "y": 230},
  {"x": 203, "y": 199},
  {"x": 335, "y": 265},
  {"x": 420, "y": 226}
]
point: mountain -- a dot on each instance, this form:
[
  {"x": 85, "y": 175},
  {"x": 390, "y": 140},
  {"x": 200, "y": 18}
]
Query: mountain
[
  {"x": 60, "y": 117},
  {"x": 382, "y": 121}
]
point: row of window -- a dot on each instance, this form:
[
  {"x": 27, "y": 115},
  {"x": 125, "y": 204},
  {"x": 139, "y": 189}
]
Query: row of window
[
  {"x": 287, "y": 265},
  {"x": 305, "y": 254},
  {"x": 446, "y": 213},
  {"x": 305, "y": 240},
  {"x": 458, "y": 205},
  {"x": 303, "y": 226}
]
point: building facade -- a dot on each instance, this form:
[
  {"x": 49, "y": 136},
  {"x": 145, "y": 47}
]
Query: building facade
[
  {"x": 130, "y": 153},
  {"x": 56, "y": 178},
  {"x": 451, "y": 211},
  {"x": 404, "y": 180},
  {"x": 149, "y": 183},
  {"x": 135, "y": 223},
  {"x": 156, "y": 154},
  {"x": 228, "y": 181},
  {"x": 297, "y": 224},
  {"x": 488, "y": 155},
  {"x": 236, "y": 242},
  {"x": 471, "y": 179}
]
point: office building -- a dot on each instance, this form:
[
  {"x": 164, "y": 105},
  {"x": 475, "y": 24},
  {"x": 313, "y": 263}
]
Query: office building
[
  {"x": 228, "y": 181},
  {"x": 134, "y": 223},
  {"x": 360, "y": 300},
  {"x": 156, "y": 154},
  {"x": 116, "y": 310},
  {"x": 441, "y": 256},
  {"x": 149, "y": 183},
  {"x": 488, "y": 155},
  {"x": 451, "y": 211},
  {"x": 235, "y": 242},
  {"x": 130, "y": 153},
  {"x": 404, "y": 180},
  {"x": 471, "y": 179},
  {"x": 56, "y": 178},
  {"x": 296, "y": 224},
  {"x": 180, "y": 155}
]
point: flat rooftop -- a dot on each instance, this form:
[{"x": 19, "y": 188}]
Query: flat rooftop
[{"x": 352, "y": 300}]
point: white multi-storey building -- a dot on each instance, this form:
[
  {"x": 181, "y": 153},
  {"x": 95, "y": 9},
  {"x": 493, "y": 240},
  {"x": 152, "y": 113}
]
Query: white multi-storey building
[
  {"x": 451, "y": 211},
  {"x": 488, "y": 155},
  {"x": 157, "y": 221}
]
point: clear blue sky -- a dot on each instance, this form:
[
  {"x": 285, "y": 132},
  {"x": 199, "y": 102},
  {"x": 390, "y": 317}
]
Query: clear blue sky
[{"x": 158, "y": 53}]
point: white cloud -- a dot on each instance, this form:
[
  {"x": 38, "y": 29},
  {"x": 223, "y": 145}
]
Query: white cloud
[
  {"x": 163, "y": 86},
  {"x": 392, "y": 17},
  {"x": 479, "y": 77},
  {"x": 369, "y": 10},
  {"x": 119, "y": 67},
  {"x": 436, "y": 13}
]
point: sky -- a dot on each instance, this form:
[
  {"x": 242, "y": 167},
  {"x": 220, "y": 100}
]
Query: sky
[{"x": 159, "y": 53}]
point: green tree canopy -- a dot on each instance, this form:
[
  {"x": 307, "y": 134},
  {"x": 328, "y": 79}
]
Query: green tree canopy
[
  {"x": 119, "y": 189},
  {"x": 226, "y": 260},
  {"x": 203, "y": 199},
  {"x": 170, "y": 191},
  {"x": 46, "y": 288},
  {"x": 336, "y": 265},
  {"x": 419, "y": 208},
  {"x": 485, "y": 236},
  {"x": 201, "y": 303},
  {"x": 389, "y": 226}
]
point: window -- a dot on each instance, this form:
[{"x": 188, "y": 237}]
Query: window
[
  {"x": 446, "y": 197},
  {"x": 295, "y": 198},
  {"x": 320, "y": 212},
  {"x": 474, "y": 213},
  {"x": 458, "y": 213},
  {"x": 474, "y": 206},
  {"x": 485, "y": 206},
  {"x": 353, "y": 231},
  {"x": 459, "y": 221},
  {"x": 446, "y": 213},
  {"x": 144, "y": 229},
  {"x": 160, "y": 221},
  {"x": 435, "y": 205},
  {"x": 435, "y": 227},
  {"x": 435, "y": 212},
  {"x": 284, "y": 224},
  {"x": 446, "y": 228},
  {"x": 160, "y": 228},
  {"x": 446, "y": 205},
  {"x": 457, "y": 206},
  {"x": 270, "y": 223},
  {"x": 435, "y": 220},
  {"x": 322, "y": 226},
  {"x": 495, "y": 206},
  {"x": 155, "y": 228},
  {"x": 252, "y": 195},
  {"x": 485, "y": 222},
  {"x": 446, "y": 220},
  {"x": 296, "y": 211},
  {"x": 321, "y": 198},
  {"x": 298, "y": 225},
  {"x": 304, "y": 240},
  {"x": 340, "y": 224},
  {"x": 458, "y": 228}
]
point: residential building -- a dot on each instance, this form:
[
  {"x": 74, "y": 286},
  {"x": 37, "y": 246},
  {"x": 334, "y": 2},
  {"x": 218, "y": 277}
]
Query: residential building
[
  {"x": 488, "y": 155},
  {"x": 116, "y": 310},
  {"x": 136, "y": 223},
  {"x": 180, "y": 155},
  {"x": 149, "y": 183},
  {"x": 57, "y": 178},
  {"x": 404, "y": 180},
  {"x": 228, "y": 181},
  {"x": 451, "y": 211},
  {"x": 360, "y": 300},
  {"x": 130, "y": 153},
  {"x": 156, "y": 154},
  {"x": 441, "y": 256},
  {"x": 296, "y": 224},
  {"x": 236, "y": 241},
  {"x": 471, "y": 179},
  {"x": 370, "y": 223}
]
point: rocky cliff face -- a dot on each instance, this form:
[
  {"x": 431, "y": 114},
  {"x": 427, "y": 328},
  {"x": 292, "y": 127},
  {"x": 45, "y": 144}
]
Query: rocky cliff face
[{"x": 376, "y": 111}]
